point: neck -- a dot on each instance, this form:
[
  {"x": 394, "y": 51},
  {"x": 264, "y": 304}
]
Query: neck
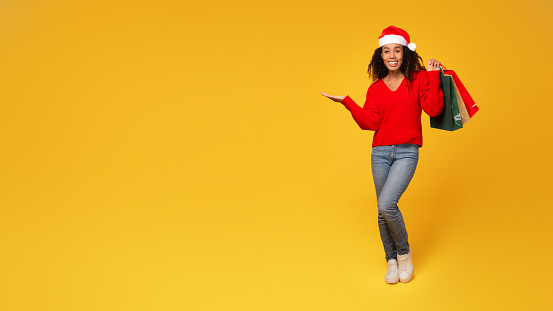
[{"x": 394, "y": 75}]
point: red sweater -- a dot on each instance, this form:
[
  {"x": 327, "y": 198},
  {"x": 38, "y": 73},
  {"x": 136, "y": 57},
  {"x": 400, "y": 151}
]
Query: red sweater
[{"x": 396, "y": 116}]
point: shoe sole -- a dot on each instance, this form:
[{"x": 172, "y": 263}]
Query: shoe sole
[{"x": 406, "y": 281}]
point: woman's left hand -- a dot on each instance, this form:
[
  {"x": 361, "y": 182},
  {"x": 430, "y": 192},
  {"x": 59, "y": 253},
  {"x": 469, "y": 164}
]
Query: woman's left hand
[{"x": 433, "y": 64}]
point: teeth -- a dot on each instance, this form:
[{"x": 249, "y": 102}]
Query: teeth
[{"x": 392, "y": 63}]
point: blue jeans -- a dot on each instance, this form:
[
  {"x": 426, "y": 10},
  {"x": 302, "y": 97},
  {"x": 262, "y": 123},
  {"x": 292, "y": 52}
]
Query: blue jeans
[{"x": 393, "y": 168}]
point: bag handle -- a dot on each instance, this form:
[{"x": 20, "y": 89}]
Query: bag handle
[{"x": 443, "y": 66}]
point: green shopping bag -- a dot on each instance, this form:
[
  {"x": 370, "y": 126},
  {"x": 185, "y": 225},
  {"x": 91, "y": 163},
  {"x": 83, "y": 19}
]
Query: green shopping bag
[{"x": 450, "y": 117}]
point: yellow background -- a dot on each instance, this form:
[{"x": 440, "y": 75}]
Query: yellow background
[{"x": 170, "y": 155}]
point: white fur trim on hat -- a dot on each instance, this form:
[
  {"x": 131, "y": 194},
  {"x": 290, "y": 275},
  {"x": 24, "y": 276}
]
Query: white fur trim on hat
[
  {"x": 412, "y": 46},
  {"x": 387, "y": 39}
]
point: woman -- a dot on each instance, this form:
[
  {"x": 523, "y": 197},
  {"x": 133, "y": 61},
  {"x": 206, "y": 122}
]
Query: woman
[{"x": 402, "y": 88}]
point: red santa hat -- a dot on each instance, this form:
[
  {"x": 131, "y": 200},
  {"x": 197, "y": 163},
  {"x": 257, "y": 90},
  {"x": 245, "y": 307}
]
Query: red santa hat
[{"x": 393, "y": 34}]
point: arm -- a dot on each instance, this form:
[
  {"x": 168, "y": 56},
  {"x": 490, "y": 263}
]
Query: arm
[
  {"x": 430, "y": 93},
  {"x": 368, "y": 117}
]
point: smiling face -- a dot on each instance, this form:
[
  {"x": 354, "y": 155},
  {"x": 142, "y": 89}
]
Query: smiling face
[{"x": 392, "y": 54}]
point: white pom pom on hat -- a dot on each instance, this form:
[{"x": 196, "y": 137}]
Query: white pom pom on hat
[{"x": 393, "y": 34}]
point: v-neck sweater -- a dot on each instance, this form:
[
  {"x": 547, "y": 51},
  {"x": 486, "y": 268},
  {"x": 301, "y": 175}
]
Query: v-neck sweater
[{"x": 395, "y": 116}]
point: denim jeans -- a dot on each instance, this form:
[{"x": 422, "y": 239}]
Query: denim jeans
[{"x": 393, "y": 168}]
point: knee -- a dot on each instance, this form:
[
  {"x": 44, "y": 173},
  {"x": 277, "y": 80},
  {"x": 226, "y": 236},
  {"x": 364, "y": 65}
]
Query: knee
[{"x": 386, "y": 206}]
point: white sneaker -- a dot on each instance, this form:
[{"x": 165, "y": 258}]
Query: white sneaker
[
  {"x": 405, "y": 265},
  {"x": 392, "y": 274}
]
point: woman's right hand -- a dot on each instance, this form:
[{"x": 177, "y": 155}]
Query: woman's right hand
[{"x": 334, "y": 98}]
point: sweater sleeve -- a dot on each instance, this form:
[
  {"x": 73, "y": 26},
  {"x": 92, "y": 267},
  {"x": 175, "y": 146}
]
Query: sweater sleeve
[
  {"x": 368, "y": 117},
  {"x": 430, "y": 94}
]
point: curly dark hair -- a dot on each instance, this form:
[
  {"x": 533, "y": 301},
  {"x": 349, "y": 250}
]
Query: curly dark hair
[{"x": 412, "y": 62}]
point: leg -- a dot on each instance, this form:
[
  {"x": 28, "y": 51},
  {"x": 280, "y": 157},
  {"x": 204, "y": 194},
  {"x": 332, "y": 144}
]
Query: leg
[
  {"x": 393, "y": 168},
  {"x": 405, "y": 159},
  {"x": 381, "y": 162}
]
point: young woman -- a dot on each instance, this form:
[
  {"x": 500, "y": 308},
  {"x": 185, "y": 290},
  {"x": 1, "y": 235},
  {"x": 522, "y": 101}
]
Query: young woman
[{"x": 401, "y": 89}]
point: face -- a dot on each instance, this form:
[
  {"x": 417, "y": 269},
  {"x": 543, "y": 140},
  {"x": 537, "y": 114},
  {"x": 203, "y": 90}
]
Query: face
[{"x": 392, "y": 54}]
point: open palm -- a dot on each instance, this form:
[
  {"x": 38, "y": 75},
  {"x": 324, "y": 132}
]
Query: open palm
[{"x": 334, "y": 98}]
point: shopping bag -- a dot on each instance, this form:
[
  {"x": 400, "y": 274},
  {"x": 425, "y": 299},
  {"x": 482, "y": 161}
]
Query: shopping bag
[
  {"x": 450, "y": 117},
  {"x": 467, "y": 99},
  {"x": 462, "y": 109}
]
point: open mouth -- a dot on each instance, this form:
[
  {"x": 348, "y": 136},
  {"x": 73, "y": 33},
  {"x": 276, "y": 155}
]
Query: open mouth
[{"x": 393, "y": 64}]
